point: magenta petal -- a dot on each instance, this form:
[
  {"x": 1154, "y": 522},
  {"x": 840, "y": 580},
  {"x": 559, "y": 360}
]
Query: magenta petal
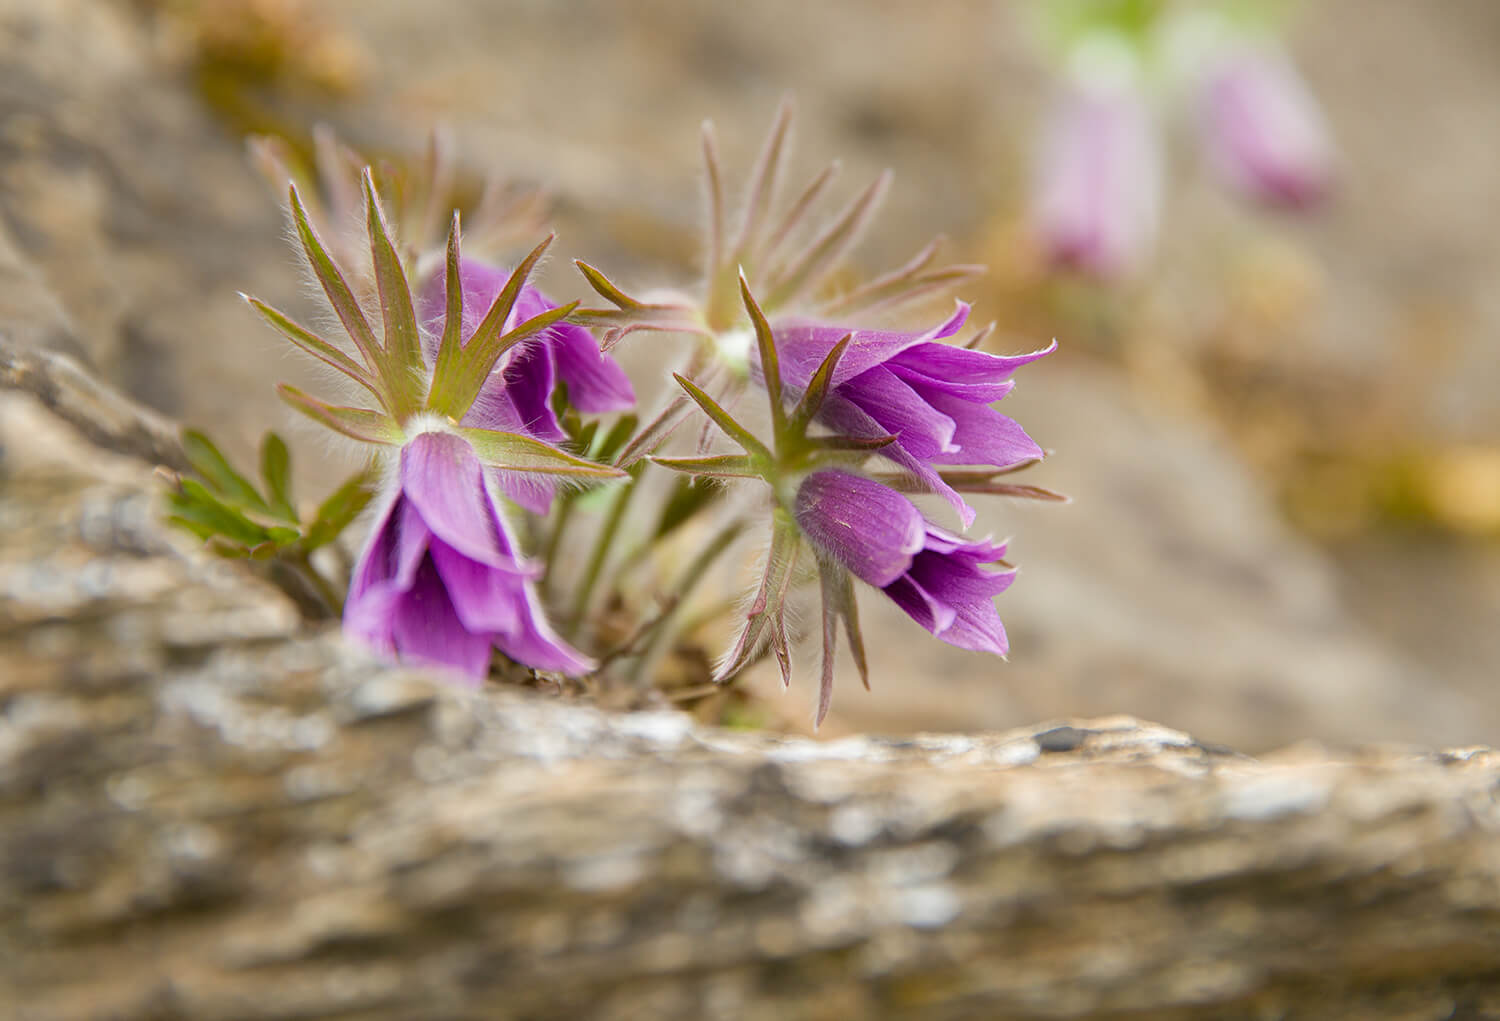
[
  {"x": 425, "y": 628},
  {"x": 443, "y": 479},
  {"x": 596, "y": 383},
  {"x": 802, "y": 346},
  {"x": 925, "y": 430},
  {"x": 983, "y": 435},
  {"x": 973, "y": 375},
  {"x": 483, "y": 597},
  {"x": 869, "y": 528},
  {"x": 540, "y": 647},
  {"x": 845, "y": 417},
  {"x": 528, "y": 379},
  {"x": 921, "y": 606}
]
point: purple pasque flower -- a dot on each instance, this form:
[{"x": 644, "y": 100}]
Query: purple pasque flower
[
  {"x": 517, "y": 397},
  {"x": 440, "y": 579},
  {"x": 882, "y": 538},
  {"x": 933, "y": 397},
  {"x": 1262, "y": 127},
  {"x": 1097, "y": 193}
]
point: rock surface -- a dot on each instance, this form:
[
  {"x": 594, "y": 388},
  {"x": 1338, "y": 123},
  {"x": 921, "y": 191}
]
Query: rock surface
[
  {"x": 285, "y": 830},
  {"x": 207, "y": 813}
]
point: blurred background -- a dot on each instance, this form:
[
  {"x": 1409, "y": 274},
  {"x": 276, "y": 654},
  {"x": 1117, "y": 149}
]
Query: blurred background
[{"x": 1276, "y": 419}]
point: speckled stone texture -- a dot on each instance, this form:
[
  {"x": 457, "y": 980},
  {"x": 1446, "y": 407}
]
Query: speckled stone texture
[{"x": 207, "y": 812}]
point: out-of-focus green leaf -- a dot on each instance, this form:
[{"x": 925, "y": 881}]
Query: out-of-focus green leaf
[
  {"x": 276, "y": 470},
  {"x": 688, "y": 497},
  {"x": 336, "y": 512},
  {"x": 195, "y": 504},
  {"x": 208, "y": 462},
  {"x": 615, "y": 439}
]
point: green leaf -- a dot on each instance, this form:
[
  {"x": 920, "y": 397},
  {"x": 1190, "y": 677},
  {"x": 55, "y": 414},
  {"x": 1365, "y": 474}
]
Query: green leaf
[
  {"x": 337, "y": 290},
  {"x": 768, "y": 606},
  {"x": 612, "y": 442},
  {"x": 194, "y": 503},
  {"x": 403, "y": 345},
  {"x": 276, "y": 470},
  {"x": 453, "y": 319},
  {"x": 514, "y": 452},
  {"x": 457, "y": 381},
  {"x": 722, "y": 418},
  {"x": 208, "y": 462},
  {"x": 599, "y": 282},
  {"x": 719, "y": 466},
  {"x": 817, "y": 390},
  {"x": 688, "y": 497},
  {"x": 770, "y": 363},
  {"x": 356, "y": 423},
  {"x": 343, "y": 506},
  {"x": 314, "y": 345}
]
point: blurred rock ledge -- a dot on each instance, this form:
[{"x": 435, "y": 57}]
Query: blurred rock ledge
[{"x": 206, "y": 813}]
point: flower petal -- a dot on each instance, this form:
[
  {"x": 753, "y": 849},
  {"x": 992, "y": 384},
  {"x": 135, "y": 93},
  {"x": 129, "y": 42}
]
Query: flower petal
[
  {"x": 869, "y": 528},
  {"x": 982, "y": 435},
  {"x": 973, "y": 375},
  {"x": 847, "y": 418},
  {"x": 596, "y": 383},
  {"x": 425, "y": 628},
  {"x": 924, "y": 430},
  {"x": 801, "y": 346},
  {"x": 443, "y": 479}
]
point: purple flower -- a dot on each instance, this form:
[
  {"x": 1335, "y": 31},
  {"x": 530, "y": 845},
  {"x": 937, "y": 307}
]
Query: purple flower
[
  {"x": 440, "y": 579},
  {"x": 1262, "y": 127},
  {"x": 518, "y": 396},
  {"x": 882, "y": 539},
  {"x": 1097, "y": 195},
  {"x": 934, "y": 397}
]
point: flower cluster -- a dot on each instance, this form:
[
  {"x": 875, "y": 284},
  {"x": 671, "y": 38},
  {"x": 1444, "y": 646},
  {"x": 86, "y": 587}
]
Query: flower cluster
[
  {"x": 1099, "y": 179},
  {"x": 494, "y": 415}
]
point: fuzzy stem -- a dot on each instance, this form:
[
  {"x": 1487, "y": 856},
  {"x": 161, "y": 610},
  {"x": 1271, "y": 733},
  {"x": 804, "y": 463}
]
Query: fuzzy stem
[
  {"x": 602, "y": 543},
  {"x": 661, "y": 630}
]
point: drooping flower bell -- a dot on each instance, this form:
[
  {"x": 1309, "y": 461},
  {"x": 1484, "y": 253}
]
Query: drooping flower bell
[
  {"x": 440, "y": 578},
  {"x": 1261, "y": 127},
  {"x": 883, "y": 540},
  {"x": 1096, "y": 198}
]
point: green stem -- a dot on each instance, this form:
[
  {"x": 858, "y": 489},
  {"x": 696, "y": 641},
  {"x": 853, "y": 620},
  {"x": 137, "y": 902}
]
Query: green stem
[
  {"x": 602, "y": 543},
  {"x": 662, "y": 631},
  {"x": 554, "y": 541}
]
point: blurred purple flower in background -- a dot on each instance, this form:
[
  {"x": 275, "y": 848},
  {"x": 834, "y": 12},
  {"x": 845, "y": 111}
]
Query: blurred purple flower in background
[
  {"x": 518, "y": 395},
  {"x": 882, "y": 538},
  {"x": 934, "y": 397},
  {"x": 1262, "y": 127},
  {"x": 1097, "y": 194},
  {"x": 440, "y": 579}
]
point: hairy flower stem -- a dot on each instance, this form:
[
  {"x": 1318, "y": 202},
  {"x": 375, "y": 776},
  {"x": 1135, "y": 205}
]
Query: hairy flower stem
[
  {"x": 603, "y": 542},
  {"x": 666, "y": 628},
  {"x": 554, "y": 541}
]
